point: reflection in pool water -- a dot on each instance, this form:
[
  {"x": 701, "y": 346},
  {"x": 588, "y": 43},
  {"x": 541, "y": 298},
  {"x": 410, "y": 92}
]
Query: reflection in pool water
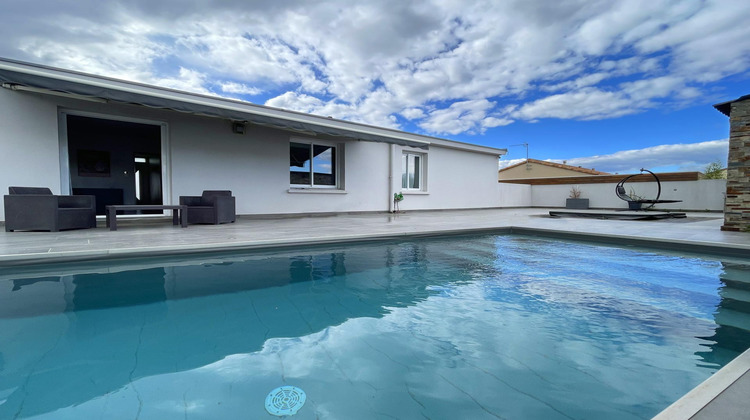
[{"x": 458, "y": 327}]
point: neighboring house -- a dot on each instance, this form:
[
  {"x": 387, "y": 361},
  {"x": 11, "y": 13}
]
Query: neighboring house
[
  {"x": 533, "y": 168},
  {"x": 131, "y": 143}
]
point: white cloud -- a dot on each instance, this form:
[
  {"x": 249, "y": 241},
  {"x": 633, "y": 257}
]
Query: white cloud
[
  {"x": 590, "y": 103},
  {"x": 239, "y": 88},
  {"x": 662, "y": 158},
  {"x": 81, "y": 44},
  {"x": 668, "y": 157},
  {"x": 297, "y": 102},
  {"x": 587, "y": 103},
  {"x": 578, "y": 83},
  {"x": 461, "y": 117},
  {"x": 450, "y": 66},
  {"x": 187, "y": 80},
  {"x": 412, "y": 113},
  {"x": 490, "y": 122}
]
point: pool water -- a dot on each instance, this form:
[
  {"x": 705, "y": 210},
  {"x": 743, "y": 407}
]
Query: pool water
[{"x": 465, "y": 327}]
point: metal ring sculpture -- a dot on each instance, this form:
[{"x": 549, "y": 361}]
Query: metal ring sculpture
[{"x": 620, "y": 187}]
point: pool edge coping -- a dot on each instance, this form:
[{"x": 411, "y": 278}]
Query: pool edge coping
[
  {"x": 52, "y": 257},
  {"x": 690, "y": 404}
]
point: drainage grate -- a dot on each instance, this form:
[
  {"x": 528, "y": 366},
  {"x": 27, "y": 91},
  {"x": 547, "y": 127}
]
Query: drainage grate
[{"x": 285, "y": 401}]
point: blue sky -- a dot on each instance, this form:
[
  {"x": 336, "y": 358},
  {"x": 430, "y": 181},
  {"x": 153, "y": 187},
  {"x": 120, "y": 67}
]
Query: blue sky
[{"x": 613, "y": 85}]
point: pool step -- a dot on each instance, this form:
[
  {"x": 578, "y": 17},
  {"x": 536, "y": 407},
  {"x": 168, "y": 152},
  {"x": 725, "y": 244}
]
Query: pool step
[
  {"x": 737, "y": 295},
  {"x": 732, "y": 318},
  {"x": 736, "y": 275}
]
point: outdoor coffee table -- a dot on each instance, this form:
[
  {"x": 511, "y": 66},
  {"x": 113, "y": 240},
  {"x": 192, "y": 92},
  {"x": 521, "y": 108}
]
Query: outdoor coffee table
[{"x": 178, "y": 215}]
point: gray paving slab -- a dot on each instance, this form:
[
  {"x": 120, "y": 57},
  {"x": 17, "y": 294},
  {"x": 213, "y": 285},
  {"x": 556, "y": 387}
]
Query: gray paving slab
[
  {"x": 724, "y": 407},
  {"x": 158, "y": 237}
]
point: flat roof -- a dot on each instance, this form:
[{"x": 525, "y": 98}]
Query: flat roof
[{"x": 17, "y": 75}]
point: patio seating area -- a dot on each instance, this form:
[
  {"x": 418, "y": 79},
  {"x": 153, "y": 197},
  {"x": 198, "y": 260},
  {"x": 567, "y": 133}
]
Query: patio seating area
[{"x": 37, "y": 209}]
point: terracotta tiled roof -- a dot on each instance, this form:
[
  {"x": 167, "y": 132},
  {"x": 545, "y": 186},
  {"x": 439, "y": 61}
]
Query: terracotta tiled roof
[{"x": 557, "y": 165}]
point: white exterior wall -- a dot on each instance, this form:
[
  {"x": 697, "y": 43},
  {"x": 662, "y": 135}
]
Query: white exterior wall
[
  {"x": 204, "y": 153},
  {"x": 255, "y": 166},
  {"x": 706, "y": 194},
  {"x": 29, "y": 146},
  {"x": 455, "y": 179}
]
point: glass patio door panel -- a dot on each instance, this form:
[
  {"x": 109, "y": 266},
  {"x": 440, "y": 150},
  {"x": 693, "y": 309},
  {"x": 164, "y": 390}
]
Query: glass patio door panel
[{"x": 118, "y": 162}]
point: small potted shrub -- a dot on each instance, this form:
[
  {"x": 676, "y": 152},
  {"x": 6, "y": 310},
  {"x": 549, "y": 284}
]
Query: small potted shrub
[
  {"x": 574, "y": 200},
  {"x": 397, "y": 198},
  {"x": 635, "y": 204}
]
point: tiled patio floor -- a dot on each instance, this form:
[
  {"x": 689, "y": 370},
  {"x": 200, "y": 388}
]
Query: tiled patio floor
[{"x": 153, "y": 237}]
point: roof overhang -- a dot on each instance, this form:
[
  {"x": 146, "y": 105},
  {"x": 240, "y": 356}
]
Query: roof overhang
[
  {"x": 48, "y": 80},
  {"x": 726, "y": 107},
  {"x": 30, "y": 77}
]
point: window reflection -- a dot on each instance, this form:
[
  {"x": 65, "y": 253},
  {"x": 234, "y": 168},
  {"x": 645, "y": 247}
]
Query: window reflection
[
  {"x": 324, "y": 165},
  {"x": 411, "y": 171},
  {"x": 299, "y": 163},
  {"x": 312, "y": 165}
]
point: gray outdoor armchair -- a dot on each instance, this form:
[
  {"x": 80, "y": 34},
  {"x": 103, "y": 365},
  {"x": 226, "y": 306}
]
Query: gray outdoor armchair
[
  {"x": 212, "y": 207},
  {"x": 32, "y": 208}
]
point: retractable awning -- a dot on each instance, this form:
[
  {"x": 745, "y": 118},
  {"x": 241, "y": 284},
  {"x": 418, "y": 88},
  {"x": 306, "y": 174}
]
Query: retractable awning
[{"x": 24, "y": 76}]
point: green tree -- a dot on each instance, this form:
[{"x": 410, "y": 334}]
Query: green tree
[{"x": 714, "y": 170}]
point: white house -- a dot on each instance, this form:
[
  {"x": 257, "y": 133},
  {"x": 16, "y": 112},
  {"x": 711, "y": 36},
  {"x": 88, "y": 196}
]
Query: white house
[{"x": 131, "y": 143}]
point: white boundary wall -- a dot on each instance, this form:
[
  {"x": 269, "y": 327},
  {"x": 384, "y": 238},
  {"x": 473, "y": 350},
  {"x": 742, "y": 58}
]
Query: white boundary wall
[
  {"x": 706, "y": 194},
  {"x": 514, "y": 195}
]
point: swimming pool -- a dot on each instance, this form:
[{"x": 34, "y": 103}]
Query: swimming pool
[{"x": 476, "y": 327}]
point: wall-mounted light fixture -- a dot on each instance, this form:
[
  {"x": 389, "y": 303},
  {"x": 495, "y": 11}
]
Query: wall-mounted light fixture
[{"x": 238, "y": 127}]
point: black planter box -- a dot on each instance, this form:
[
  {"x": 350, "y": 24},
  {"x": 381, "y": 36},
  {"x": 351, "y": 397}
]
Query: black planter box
[
  {"x": 634, "y": 205},
  {"x": 577, "y": 203}
]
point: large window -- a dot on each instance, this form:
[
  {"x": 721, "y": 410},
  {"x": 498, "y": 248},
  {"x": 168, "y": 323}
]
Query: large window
[
  {"x": 412, "y": 171},
  {"x": 312, "y": 165}
]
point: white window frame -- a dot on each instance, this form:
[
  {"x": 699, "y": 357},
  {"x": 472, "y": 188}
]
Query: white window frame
[
  {"x": 422, "y": 171},
  {"x": 338, "y": 165}
]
